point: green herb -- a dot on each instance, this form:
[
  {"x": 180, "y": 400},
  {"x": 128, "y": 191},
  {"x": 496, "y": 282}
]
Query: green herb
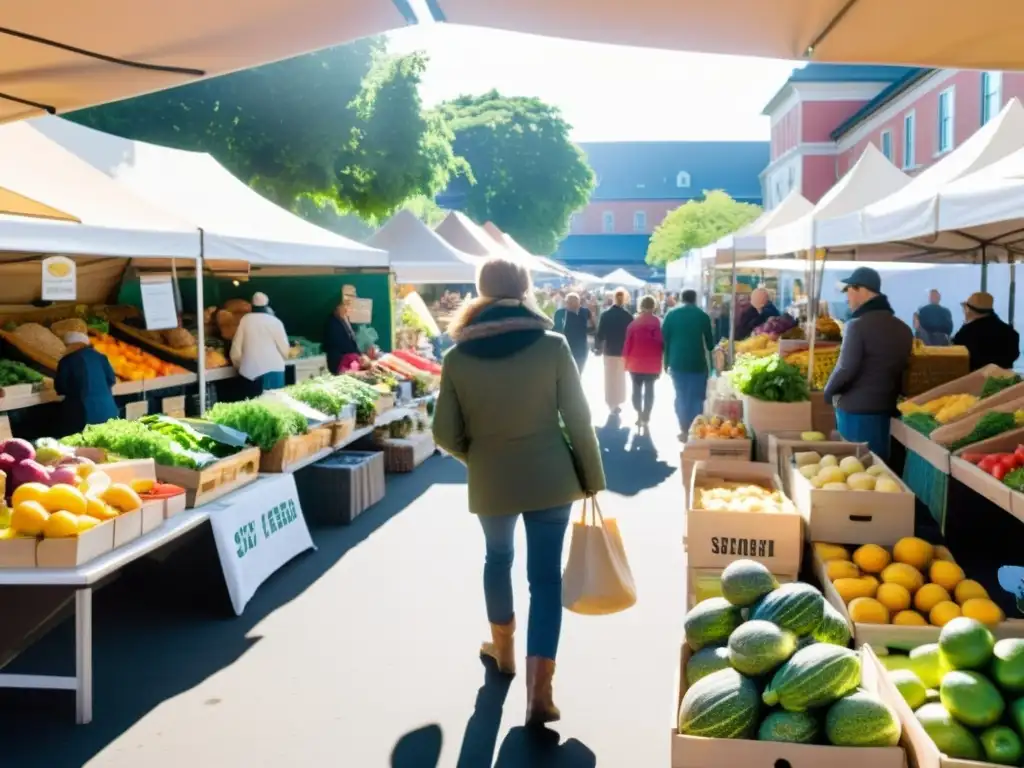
[
  {"x": 991, "y": 424},
  {"x": 921, "y": 422},
  {"x": 13, "y": 372},
  {"x": 264, "y": 421},
  {"x": 994, "y": 384},
  {"x": 769, "y": 378},
  {"x": 135, "y": 440},
  {"x": 1015, "y": 479}
]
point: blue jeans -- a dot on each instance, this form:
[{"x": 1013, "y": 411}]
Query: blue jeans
[
  {"x": 545, "y": 533},
  {"x": 273, "y": 380},
  {"x": 870, "y": 428},
  {"x": 691, "y": 389}
]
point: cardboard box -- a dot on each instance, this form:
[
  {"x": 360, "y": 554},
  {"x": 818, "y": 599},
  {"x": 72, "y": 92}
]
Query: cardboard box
[
  {"x": 763, "y": 442},
  {"x": 18, "y": 553},
  {"x": 152, "y": 514},
  {"x": 697, "y": 752},
  {"x": 175, "y": 505},
  {"x": 898, "y": 431},
  {"x": 780, "y": 447},
  {"x": 889, "y": 635},
  {"x": 703, "y": 450},
  {"x": 972, "y": 384},
  {"x": 982, "y": 482},
  {"x": 948, "y": 434},
  {"x": 853, "y": 517},
  {"x": 716, "y": 538},
  {"x": 935, "y": 454},
  {"x": 69, "y": 553},
  {"x": 763, "y": 416},
  {"x": 127, "y": 527}
]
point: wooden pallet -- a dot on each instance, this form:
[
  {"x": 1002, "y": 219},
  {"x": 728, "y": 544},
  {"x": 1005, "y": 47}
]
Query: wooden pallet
[
  {"x": 293, "y": 450},
  {"x": 205, "y": 485}
]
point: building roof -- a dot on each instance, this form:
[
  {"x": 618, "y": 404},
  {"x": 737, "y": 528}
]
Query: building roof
[
  {"x": 910, "y": 77},
  {"x": 837, "y": 73},
  {"x": 648, "y": 170}
]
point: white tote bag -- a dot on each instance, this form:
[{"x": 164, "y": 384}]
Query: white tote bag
[{"x": 597, "y": 578}]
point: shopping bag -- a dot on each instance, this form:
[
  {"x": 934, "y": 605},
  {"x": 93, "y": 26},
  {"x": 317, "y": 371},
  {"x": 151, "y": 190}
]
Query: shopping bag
[{"x": 597, "y": 579}]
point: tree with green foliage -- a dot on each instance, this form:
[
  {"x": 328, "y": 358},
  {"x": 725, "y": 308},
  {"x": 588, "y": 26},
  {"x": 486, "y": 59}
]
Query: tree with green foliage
[
  {"x": 697, "y": 223},
  {"x": 528, "y": 176},
  {"x": 344, "y": 127}
]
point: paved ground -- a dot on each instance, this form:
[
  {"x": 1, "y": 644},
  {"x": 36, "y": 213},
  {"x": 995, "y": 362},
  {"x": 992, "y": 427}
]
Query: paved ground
[{"x": 364, "y": 653}]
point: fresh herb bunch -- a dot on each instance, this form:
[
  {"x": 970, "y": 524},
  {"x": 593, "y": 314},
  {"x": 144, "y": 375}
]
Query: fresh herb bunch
[
  {"x": 769, "y": 378},
  {"x": 264, "y": 421},
  {"x": 185, "y": 436},
  {"x": 991, "y": 424},
  {"x": 135, "y": 440},
  {"x": 995, "y": 384},
  {"x": 1015, "y": 479},
  {"x": 921, "y": 422},
  {"x": 13, "y": 372},
  {"x": 319, "y": 395}
]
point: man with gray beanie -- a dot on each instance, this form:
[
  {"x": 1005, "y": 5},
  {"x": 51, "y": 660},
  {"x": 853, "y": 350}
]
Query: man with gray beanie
[{"x": 868, "y": 378}]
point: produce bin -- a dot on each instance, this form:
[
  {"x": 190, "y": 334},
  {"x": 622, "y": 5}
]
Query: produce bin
[
  {"x": 337, "y": 489},
  {"x": 763, "y": 416}
]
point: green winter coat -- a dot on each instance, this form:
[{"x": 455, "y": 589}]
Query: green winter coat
[{"x": 504, "y": 386}]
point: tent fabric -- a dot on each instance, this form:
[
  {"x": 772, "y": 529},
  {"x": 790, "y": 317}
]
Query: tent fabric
[
  {"x": 870, "y": 179},
  {"x": 113, "y": 221},
  {"x": 207, "y": 38},
  {"x": 419, "y": 255},
  {"x": 749, "y": 242},
  {"x": 621, "y": 277},
  {"x": 13, "y": 204},
  {"x": 865, "y": 32},
  {"x": 238, "y": 223},
  {"x": 460, "y": 231},
  {"x": 517, "y": 251}
]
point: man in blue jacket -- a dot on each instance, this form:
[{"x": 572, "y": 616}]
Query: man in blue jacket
[{"x": 85, "y": 379}]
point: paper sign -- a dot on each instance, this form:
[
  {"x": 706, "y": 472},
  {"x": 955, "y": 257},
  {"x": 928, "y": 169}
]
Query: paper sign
[
  {"x": 257, "y": 530},
  {"x": 174, "y": 406},
  {"x": 59, "y": 279},
  {"x": 360, "y": 311},
  {"x": 136, "y": 410},
  {"x": 158, "y": 302}
]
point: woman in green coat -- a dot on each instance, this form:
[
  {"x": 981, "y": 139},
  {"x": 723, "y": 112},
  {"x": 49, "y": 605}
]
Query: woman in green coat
[{"x": 512, "y": 409}]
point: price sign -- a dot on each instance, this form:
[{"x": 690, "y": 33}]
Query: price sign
[
  {"x": 158, "y": 305},
  {"x": 60, "y": 282}
]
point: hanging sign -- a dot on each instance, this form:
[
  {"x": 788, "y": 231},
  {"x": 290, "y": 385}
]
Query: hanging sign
[
  {"x": 257, "y": 530},
  {"x": 360, "y": 311},
  {"x": 59, "y": 279},
  {"x": 158, "y": 305}
]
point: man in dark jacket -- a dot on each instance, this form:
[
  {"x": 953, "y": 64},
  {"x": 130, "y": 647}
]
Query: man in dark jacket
[
  {"x": 934, "y": 323},
  {"x": 85, "y": 379},
  {"x": 574, "y": 321},
  {"x": 868, "y": 378},
  {"x": 610, "y": 339},
  {"x": 987, "y": 338},
  {"x": 759, "y": 312}
]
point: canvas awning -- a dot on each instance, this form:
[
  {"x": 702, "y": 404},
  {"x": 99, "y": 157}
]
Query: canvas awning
[
  {"x": 420, "y": 256},
  {"x": 506, "y": 241},
  {"x": 459, "y": 230},
  {"x": 983, "y": 35},
  {"x": 870, "y": 179},
  {"x": 91, "y": 215},
  {"x": 239, "y": 224},
  {"x": 905, "y": 223},
  {"x": 621, "y": 277},
  {"x": 61, "y": 56},
  {"x": 749, "y": 242}
]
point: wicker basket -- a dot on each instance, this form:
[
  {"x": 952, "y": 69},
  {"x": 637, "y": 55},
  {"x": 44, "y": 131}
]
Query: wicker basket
[{"x": 925, "y": 372}]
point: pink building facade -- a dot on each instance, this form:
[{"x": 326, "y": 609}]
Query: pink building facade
[{"x": 825, "y": 115}]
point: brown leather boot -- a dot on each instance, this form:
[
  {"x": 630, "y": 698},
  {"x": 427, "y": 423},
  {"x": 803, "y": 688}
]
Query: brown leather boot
[
  {"x": 502, "y": 647},
  {"x": 540, "y": 706}
]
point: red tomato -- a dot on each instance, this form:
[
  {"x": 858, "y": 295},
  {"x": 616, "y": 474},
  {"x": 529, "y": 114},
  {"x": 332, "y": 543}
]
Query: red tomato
[
  {"x": 975, "y": 458},
  {"x": 988, "y": 462},
  {"x": 1010, "y": 461},
  {"x": 1019, "y": 453},
  {"x": 999, "y": 471}
]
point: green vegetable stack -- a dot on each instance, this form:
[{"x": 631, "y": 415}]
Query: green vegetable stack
[
  {"x": 264, "y": 421},
  {"x": 974, "y": 709},
  {"x": 770, "y": 678},
  {"x": 994, "y": 384},
  {"x": 991, "y": 424},
  {"x": 137, "y": 440},
  {"x": 921, "y": 422},
  {"x": 769, "y": 378},
  {"x": 12, "y": 373}
]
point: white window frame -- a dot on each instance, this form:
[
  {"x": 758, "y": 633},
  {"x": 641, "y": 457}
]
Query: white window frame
[
  {"x": 639, "y": 221},
  {"x": 607, "y": 222},
  {"x": 991, "y": 89},
  {"x": 682, "y": 180},
  {"x": 910, "y": 147},
  {"x": 890, "y": 154},
  {"x": 945, "y": 142}
]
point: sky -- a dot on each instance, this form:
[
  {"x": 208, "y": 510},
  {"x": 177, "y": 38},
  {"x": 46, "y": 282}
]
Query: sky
[{"x": 606, "y": 92}]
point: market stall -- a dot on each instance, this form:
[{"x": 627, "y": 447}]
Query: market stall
[{"x": 420, "y": 256}]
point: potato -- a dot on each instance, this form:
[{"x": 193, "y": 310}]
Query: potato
[
  {"x": 831, "y": 475},
  {"x": 835, "y": 487},
  {"x": 829, "y": 461},
  {"x": 861, "y": 481},
  {"x": 851, "y": 465},
  {"x": 809, "y": 470},
  {"x": 806, "y": 457}
]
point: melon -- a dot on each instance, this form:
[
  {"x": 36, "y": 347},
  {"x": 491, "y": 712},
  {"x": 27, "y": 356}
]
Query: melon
[
  {"x": 710, "y": 621},
  {"x": 793, "y": 727},
  {"x": 952, "y": 739},
  {"x": 758, "y": 647},
  {"x": 966, "y": 643},
  {"x": 910, "y": 687},
  {"x": 1008, "y": 667},
  {"x": 813, "y": 677},
  {"x": 1002, "y": 746},
  {"x": 705, "y": 662},
  {"x": 928, "y": 664},
  {"x": 862, "y": 720},
  {"x": 723, "y": 705},
  {"x": 971, "y": 698},
  {"x": 744, "y": 582},
  {"x": 832, "y": 628},
  {"x": 797, "y": 607}
]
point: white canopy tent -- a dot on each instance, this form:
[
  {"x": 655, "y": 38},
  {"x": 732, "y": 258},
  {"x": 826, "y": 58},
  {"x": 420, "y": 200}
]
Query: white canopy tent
[
  {"x": 104, "y": 219},
  {"x": 238, "y": 223},
  {"x": 987, "y": 207},
  {"x": 419, "y": 255},
  {"x": 506, "y": 241},
  {"x": 870, "y": 179},
  {"x": 906, "y": 223},
  {"x": 460, "y": 231},
  {"x": 621, "y": 277},
  {"x": 749, "y": 242}
]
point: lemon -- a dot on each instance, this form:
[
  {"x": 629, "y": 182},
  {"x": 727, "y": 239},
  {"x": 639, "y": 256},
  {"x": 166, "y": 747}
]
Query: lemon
[
  {"x": 841, "y": 569},
  {"x": 867, "y": 610},
  {"x": 928, "y": 596},
  {"x": 830, "y": 551},
  {"x": 905, "y": 575},
  {"x": 851, "y": 589},
  {"x": 871, "y": 558},
  {"x": 28, "y": 518},
  {"x": 946, "y": 574},
  {"x": 909, "y": 619},
  {"x": 61, "y": 525},
  {"x": 895, "y": 597},
  {"x": 982, "y": 609},
  {"x": 967, "y": 589},
  {"x": 943, "y": 613},
  {"x": 913, "y": 551}
]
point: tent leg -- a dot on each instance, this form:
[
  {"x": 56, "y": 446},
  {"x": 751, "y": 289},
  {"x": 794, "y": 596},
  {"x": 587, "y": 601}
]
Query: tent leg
[
  {"x": 984, "y": 269},
  {"x": 732, "y": 313},
  {"x": 201, "y": 327}
]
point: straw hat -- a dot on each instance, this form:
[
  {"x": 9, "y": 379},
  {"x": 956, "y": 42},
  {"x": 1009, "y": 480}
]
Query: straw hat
[{"x": 979, "y": 302}]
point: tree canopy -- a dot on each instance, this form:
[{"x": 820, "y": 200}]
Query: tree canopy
[
  {"x": 697, "y": 223},
  {"x": 344, "y": 127},
  {"x": 528, "y": 176}
]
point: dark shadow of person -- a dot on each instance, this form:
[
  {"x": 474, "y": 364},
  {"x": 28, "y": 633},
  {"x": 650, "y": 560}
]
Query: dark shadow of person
[
  {"x": 481, "y": 736},
  {"x": 418, "y": 749},
  {"x": 540, "y": 748}
]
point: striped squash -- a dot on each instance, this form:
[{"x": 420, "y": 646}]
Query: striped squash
[
  {"x": 813, "y": 677},
  {"x": 797, "y": 607},
  {"x": 723, "y": 705}
]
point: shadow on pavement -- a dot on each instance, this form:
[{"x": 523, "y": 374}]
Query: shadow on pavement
[
  {"x": 163, "y": 628},
  {"x": 631, "y": 463}
]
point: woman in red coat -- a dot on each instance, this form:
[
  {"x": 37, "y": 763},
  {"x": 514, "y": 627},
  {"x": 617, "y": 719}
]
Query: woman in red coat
[{"x": 643, "y": 353}]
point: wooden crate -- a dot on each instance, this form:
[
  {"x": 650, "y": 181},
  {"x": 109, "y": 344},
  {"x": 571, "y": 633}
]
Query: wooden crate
[
  {"x": 405, "y": 454},
  {"x": 210, "y": 483},
  {"x": 384, "y": 403},
  {"x": 293, "y": 450},
  {"x": 341, "y": 430}
]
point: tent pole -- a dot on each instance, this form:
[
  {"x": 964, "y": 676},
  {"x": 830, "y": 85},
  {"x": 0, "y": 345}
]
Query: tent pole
[
  {"x": 984, "y": 268},
  {"x": 1013, "y": 289},
  {"x": 201, "y": 325},
  {"x": 732, "y": 313},
  {"x": 812, "y": 311}
]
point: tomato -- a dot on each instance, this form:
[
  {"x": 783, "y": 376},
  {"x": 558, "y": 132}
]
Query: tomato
[
  {"x": 999, "y": 471},
  {"x": 976, "y": 458},
  {"x": 988, "y": 462},
  {"x": 1019, "y": 453},
  {"x": 1010, "y": 461}
]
